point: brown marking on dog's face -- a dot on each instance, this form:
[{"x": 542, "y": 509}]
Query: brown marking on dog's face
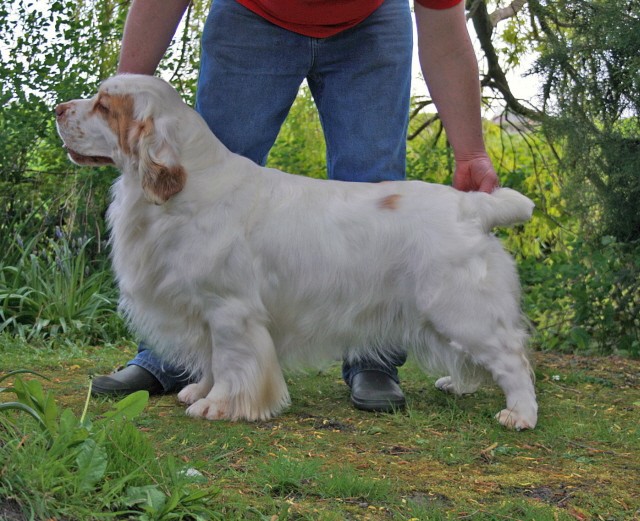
[
  {"x": 151, "y": 150},
  {"x": 390, "y": 202},
  {"x": 138, "y": 131},
  {"x": 117, "y": 110}
]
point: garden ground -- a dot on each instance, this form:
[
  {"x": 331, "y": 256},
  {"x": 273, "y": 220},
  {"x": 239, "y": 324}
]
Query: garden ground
[{"x": 442, "y": 458}]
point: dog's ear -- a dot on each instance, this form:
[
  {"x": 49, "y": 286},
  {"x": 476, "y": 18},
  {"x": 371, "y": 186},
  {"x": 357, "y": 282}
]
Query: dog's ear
[{"x": 161, "y": 174}]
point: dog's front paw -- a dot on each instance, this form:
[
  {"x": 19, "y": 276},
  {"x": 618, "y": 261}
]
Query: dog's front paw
[
  {"x": 447, "y": 384},
  {"x": 513, "y": 419},
  {"x": 192, "y": 393},
  {"x": 208, "y": 409}
]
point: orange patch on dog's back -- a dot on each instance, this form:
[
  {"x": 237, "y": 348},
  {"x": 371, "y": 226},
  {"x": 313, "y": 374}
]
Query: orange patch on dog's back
[{"x": 390, "y": 202}]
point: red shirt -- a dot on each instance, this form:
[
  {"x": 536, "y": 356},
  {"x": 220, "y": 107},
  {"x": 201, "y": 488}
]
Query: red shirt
[{"x": 323, "y": 18}]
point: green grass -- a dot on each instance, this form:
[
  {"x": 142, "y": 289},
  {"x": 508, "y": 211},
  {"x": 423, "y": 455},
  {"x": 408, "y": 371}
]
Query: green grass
[
  {"x": 53, "y": 288},
  {"x": 443, "y": 458}
]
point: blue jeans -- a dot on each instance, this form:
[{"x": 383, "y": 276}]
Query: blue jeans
[
  {"x": 360, "y": 79},
  {"x": 172, "y": 378}
]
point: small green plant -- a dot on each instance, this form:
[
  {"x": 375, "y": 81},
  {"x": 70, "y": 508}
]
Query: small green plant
[
  {"x": 51, "y": 470},
  {"x": 43, "y": 407}
]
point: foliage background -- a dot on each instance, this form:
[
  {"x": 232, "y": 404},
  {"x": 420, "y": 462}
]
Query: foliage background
[{"x": 575, "y": 151}]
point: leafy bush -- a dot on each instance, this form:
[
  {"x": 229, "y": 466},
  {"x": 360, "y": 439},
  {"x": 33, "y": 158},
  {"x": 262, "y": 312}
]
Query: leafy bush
[
  {"x": 586, "y": 298},
  {"x": 300, "y": 147},
  {"x": 606, "y": 297}
]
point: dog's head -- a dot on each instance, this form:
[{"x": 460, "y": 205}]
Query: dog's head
[{"x": 134, "y": 122}]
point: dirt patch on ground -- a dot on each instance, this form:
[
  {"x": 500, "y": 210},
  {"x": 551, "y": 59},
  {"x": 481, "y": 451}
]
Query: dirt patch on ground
[
  {"x": 557, "y": 496},
  {"x": 10, "y": 511}
]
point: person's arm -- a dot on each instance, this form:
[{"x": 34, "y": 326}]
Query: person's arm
[
  {"x": 449, "y": 66},
  {"x": 148, "y": 31}
]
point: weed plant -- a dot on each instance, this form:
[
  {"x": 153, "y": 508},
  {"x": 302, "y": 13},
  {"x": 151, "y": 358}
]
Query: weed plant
[{"x": 52, "y": 461}]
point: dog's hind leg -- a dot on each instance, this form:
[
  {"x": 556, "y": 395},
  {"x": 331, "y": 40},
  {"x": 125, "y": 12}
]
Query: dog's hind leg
[
  {"x": 513, "y": 374},
  {"x": 448, "y": 384},
  {"x": 476, "y": 311},
  {"x": 248, "y": 383},
  {"x": 504, "y": 356},
  {"x": 436, "y": 354},
  {"x": 488, "y": 343}
]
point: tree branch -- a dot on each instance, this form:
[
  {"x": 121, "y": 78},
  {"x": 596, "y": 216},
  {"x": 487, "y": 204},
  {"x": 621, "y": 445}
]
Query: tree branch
[
  {"x": 495, "y": 76},
  {"x": 506, "y": 12},
  {"x": 421, "y": 127}
]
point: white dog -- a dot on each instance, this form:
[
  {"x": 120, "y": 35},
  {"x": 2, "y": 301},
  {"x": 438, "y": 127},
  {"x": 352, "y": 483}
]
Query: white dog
[{"x": 229, "y": 268}]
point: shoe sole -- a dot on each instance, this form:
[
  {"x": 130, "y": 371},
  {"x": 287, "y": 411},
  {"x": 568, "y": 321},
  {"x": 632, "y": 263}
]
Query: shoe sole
[{"x": 378, "y": 406}]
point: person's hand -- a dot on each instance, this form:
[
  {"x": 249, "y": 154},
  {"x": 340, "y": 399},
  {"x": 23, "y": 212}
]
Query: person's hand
[{"x": 476, "y": 174}]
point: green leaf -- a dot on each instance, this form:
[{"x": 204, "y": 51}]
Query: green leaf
[
  {"x": 19, "y": 371},
  {"x": 129, "y": 407},
  {"x": 69, "y": 427},
  {"x": 198, "y": 495},
  {"x": 30, "y": 393},
  {"x": 18, "y": 406},
  {"x": 149, "y": 498},
  {"x": 50, "y": 410},
  {"x": 92, "y": 464}
]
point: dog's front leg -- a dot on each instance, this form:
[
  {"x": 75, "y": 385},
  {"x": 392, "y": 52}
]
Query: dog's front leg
[
  {"x": 193, "y": 392},
  {"x": 247, "y": 379}
]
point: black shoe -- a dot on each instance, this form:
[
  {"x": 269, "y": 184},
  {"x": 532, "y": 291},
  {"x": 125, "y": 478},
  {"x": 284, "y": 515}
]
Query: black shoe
[
  {"x": 376, "y": 391},
  {"x": 126, "y": 381}
]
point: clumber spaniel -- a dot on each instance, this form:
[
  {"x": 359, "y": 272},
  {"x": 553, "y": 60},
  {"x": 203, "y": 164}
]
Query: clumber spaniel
[{"x": 229, "y": 268}]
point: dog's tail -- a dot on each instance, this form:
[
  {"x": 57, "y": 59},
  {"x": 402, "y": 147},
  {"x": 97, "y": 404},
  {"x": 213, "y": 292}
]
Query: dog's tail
[{"x": 503, "y": 207}]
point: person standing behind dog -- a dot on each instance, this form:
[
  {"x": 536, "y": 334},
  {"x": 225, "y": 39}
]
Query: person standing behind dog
[{"x": 356, "y": 57}]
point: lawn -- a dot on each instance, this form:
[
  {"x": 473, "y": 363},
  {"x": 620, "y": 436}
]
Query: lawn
[{"x": 443, "y": 458}]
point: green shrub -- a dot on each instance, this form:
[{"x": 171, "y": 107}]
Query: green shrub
[{"x": 586, "y": 298}]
